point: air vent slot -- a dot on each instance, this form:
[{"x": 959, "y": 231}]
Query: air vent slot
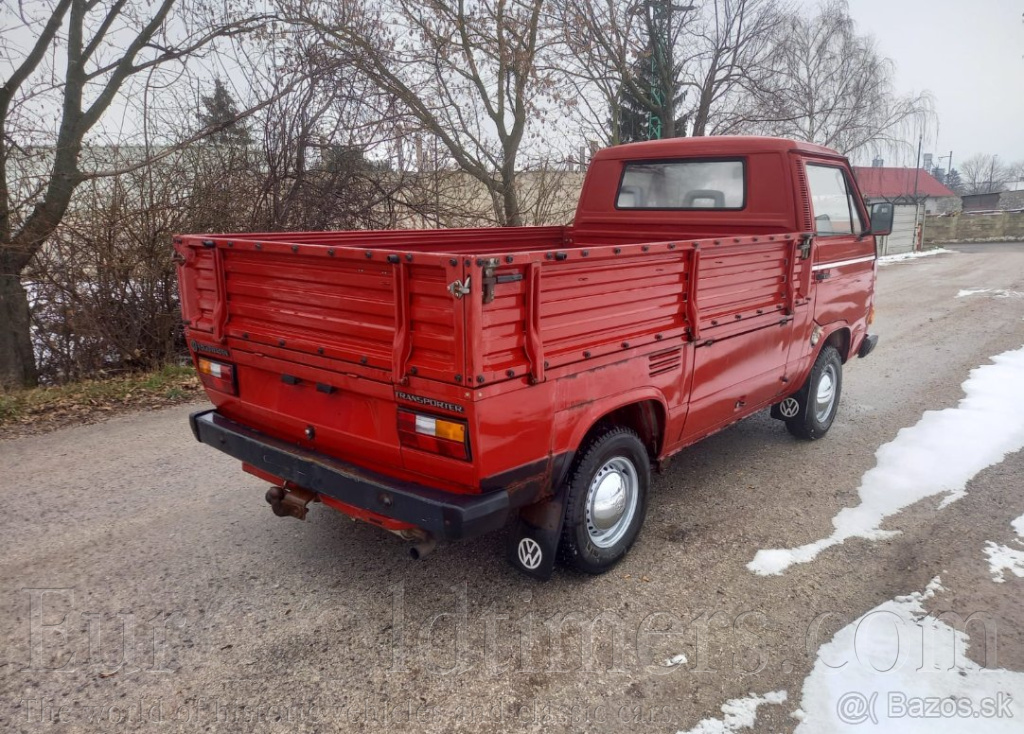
[
  {"x": 804, "y": 193},
  {"x": 665, "y": 361}
]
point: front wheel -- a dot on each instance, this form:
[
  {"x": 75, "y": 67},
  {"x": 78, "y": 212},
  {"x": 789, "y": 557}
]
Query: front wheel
[
  {"x": 818, "y": 399},
  {"x": 607, "y": 500}
]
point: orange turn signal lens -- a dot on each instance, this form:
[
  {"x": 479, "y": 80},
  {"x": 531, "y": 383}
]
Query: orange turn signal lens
[
  {"x": 430, "y": 433},
  {"x": 217, "y": 375}
]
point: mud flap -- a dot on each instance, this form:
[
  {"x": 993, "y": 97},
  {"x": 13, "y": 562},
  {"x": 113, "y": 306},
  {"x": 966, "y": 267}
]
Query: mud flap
[
  {"x": 533, "y": 538},
  {"x": 788, "y": 408}
]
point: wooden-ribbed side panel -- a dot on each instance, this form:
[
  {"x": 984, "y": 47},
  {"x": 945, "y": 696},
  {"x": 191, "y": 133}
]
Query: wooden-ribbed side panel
[
  {"x": 611, "y": 301},
  {"x": 432, "y": 329},
  {"x": 198, "y": 290},
  {"x": 742, "y": 281},
  {"x": 583, "y": 307},
  {"x": 340, "y": 309}
]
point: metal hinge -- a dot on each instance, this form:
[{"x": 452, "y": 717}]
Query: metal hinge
[
  {"x": 805, "y": 247},
  {"x": 460, "y": 289}
]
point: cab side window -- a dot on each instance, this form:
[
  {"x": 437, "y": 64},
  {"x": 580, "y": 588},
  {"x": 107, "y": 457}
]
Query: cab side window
[{"x": 835, "y": 212}]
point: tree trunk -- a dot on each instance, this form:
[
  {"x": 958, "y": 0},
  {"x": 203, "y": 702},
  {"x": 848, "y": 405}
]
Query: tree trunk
[
  {"x": 17, "y": 360},
  {"x": 513, "y": 216}
]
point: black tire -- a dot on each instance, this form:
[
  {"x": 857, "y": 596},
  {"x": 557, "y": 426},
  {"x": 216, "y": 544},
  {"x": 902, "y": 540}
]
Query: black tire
[
  {"x": 813, "y": 420},
  {"x": 579, "y": 547}
]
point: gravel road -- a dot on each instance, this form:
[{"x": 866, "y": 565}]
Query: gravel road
[{"x": 146, "y": 586}]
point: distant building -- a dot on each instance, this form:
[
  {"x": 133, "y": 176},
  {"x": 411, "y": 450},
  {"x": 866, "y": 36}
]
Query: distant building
[
  {"x": 913, "y": 192},
  {"x": 903, "y": 186},
  {"x": 1004, "y": 201}
]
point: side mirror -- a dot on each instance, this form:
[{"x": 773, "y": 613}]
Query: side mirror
[{"x": 881, "y": 219}]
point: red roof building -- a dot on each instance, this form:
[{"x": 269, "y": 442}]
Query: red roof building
[
  {"x": 899, "y": 183},
  {"x": 897, "y": 186}
]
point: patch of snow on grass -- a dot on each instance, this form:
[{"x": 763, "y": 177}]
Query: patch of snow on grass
[
  {"x": 904, "y": 256},
  {"x": 893, "y": 660},
  {"x": 740, "y": 713},
  {"x": 1002, "y": 558},
  {"x": 938, "y": 455}
]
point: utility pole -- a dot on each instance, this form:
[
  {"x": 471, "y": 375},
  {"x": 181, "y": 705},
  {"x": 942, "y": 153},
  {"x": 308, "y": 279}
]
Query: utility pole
[
  {"x": 949, "y": 165},
  {"x": 917, "y": 204},
  {"x": 659, "y": 24},
  {"x": 991, "y": 174}
]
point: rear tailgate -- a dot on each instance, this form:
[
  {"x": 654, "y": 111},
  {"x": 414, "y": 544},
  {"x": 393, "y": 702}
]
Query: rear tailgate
[
  {"x": 371, "y": 308},
  {"x": 321, "y": 335}
]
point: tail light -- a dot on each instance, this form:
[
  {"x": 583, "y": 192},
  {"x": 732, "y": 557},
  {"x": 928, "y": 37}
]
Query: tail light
[
  {"x": 217, "y": 375},
  {"x": 436, "y": 435}
]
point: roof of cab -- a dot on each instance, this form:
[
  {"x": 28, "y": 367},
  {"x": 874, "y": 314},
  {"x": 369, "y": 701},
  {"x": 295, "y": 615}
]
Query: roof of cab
[{"x": 718, "y": 145}]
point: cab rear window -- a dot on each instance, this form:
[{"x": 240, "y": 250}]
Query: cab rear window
[{"x": 682, "y": 184}]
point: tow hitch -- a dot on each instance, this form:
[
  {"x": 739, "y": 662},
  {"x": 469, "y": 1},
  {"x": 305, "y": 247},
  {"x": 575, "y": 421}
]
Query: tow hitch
[{"x": 286, "y": 502}]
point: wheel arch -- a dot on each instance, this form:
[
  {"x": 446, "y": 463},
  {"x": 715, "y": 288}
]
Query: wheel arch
[
  {"x": 646, "y": 414},
  {"x": 840, "y": 337}
]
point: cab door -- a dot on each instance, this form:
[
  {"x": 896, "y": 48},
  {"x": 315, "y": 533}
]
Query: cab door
[{"x": 843, "y": 257}]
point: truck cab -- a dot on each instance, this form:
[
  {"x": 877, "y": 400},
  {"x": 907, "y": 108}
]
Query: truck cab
[{"x": 444, "y": 383}]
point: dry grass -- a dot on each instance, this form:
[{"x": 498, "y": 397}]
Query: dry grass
[{"x": 42, "y": 409}]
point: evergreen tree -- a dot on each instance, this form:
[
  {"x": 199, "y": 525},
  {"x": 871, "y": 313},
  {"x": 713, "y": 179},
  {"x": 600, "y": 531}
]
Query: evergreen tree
[
  {"x": 635, "y": 112},
  {"x": 221, "y": 110},
  {"x": 954, "y": 183}
]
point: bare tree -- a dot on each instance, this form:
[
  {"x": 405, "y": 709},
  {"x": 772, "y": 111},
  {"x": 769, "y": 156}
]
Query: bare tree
[
  {"x": 984, "y": 174},
  {"x": 618, "y": 55},
  {"x": 1016, "y": 171},
  {"x": 831, "y": 86},
  {"x": 102, "y": 47},
  {"x": 467, "y": 72},
  {"x": 730, "y": 56}
]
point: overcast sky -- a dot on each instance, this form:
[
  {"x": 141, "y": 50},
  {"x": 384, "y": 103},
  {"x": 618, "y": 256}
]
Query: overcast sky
[{"x": 970, "y": 55}]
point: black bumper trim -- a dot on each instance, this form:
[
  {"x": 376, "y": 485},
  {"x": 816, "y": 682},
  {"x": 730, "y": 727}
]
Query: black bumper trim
[
  {"x": 447, "y": 515},
  {"x": 868, "y": 345}
]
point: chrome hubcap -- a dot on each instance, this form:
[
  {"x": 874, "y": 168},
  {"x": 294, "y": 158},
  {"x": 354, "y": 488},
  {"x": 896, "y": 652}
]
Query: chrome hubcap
[
  {"x": 826, "y": 394},
  {"x": 611, "y": 501}
]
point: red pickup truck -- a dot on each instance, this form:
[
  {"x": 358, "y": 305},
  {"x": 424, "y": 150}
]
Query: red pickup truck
[{"x": 442, "y": 384}]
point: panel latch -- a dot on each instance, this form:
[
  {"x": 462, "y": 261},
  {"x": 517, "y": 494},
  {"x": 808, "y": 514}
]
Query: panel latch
[
  {"x": 491, "y": 278},
  {"x": 458, "y": 288}
]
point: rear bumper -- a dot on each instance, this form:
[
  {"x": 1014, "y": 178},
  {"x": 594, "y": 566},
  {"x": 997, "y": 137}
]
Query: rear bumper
[
  {"x": 447, "y": 515},
  {"x": 868, "y": 345}
]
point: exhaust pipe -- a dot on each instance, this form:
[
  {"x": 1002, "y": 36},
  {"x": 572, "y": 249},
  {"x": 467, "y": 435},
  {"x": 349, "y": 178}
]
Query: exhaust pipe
[{"x": 421, "y": 550}]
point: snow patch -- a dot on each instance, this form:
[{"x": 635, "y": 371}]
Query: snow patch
[
  {"x": 1018, "y": 526},
  {"x": 996, "y": 293},
  {"x": 897, "y": 653},
  {"x": 740, "y": 713},
  {"x": 938, "y": 455},
  {"x": 1002, "y": 558},
  {"x": 904, "y": 256}
]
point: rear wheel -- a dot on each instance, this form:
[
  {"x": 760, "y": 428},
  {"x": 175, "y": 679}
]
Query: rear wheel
[
  {"x": 818, "y": 399},
  {"x": 607, "y": 500}
]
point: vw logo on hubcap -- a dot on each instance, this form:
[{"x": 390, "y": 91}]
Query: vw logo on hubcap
[
  {"x": 789, "y": 407},
  {"x": 530, "y": 554}
]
